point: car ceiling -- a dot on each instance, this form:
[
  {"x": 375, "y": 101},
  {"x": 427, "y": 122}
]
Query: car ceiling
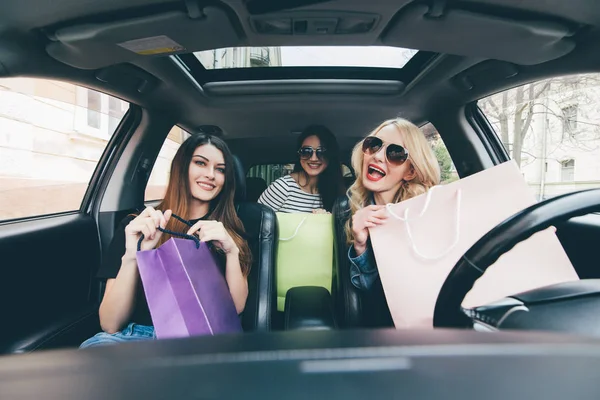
[{"x": 49, "y": 39}]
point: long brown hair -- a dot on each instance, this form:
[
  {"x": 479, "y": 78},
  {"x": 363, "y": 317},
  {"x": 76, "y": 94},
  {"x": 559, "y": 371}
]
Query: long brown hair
[
  {"x": 422, "y": 159},
  {"x": 178, "y": 195},
  {"x": 330, "y": 183}
]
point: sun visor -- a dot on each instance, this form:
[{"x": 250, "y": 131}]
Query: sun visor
[
  {"x": 92, "y": 46},
  {"x": 469, "y": 33}
]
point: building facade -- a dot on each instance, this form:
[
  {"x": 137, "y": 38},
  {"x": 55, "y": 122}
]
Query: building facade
[
  {"x": 558, "y": 122},
  {"x": 240, "y": 57}
]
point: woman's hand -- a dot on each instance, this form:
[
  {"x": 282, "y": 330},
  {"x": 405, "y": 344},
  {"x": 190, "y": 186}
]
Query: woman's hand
[
  {"x": 320, "y": 211},
  {"x": 214, "y": 231},
  {"x": 362, "y": 220},
  {"x": 146, "y": 223}
]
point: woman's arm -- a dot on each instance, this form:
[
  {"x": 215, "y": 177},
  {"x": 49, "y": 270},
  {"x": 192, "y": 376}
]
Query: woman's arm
[
  {"x": 118, "y": 302},
  {"x": 214, "y": 231},
  {"x": 119, "y": 297},
  {"x": 237, "y": 282},
  {"x": 363, "y": 269}
]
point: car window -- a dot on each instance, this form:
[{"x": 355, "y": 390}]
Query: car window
[
  {"x": 52, "y": 135},
  {"x": 159, "y": 177},
  {"x": 551, "y": 129},
  {"x": 447, "y": 168},
  {"x": 270, "y": 172}
]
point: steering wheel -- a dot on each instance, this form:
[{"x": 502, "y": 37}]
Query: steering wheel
[{"x": 501, "y": 239}]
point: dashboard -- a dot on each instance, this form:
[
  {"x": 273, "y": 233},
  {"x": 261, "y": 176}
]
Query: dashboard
[{"x": 435, "y": 364}]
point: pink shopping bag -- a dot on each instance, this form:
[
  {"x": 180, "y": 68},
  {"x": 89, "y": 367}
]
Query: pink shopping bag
[{"x": 425, "y": 237}]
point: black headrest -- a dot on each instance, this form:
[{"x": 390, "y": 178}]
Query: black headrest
[
  {"x": 254, "y": 188},
  {"x": 240, "y": 180}
]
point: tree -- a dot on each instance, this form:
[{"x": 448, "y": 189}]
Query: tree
[
  {"x": 516, "y": 108},
  {"x": 512, "y": 111},
  {"x": 441, "y": 153},
  {"x": 443, "y": 157}
]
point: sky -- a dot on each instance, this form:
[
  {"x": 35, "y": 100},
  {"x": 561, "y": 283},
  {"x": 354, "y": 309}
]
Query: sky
[{"x": 372, "y": 56}]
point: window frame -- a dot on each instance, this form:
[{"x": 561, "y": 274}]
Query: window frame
[
  {"x": 569, "y": 169},
  {"x": 184, "y": 136},
  {"x": 570, "y": 121}
]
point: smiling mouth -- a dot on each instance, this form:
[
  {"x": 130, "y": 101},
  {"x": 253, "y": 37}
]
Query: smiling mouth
[
  {"x": 375, "y": 173},
  {"x": 314, "y": 165},
  {"x": 206, "y": 186}
]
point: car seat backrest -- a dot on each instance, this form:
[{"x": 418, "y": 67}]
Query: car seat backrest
[
  {"x": 254, "y": 188},
  {"x": 260, "y": 224},
  {"x": 354, "y": 307},
  {"x": 240, "y": 180}
]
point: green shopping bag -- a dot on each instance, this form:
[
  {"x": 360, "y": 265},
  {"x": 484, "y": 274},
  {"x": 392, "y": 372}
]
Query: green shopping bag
[{"x": 304, "y": 253}]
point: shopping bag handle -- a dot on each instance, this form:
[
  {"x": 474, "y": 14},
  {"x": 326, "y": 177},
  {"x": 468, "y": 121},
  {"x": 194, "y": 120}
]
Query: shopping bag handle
[
  {"x": 170, "y": 232},
  {"x": 425, "y": 207},
  {"x": 406, "y": 221},
  {"x": 295, "y": 233}
]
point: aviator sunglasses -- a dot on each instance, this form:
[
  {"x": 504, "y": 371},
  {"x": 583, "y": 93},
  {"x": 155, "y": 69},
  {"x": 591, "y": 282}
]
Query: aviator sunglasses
[
  {"x": 394, "y": 153},
  {"x": 306, "y": 152}
]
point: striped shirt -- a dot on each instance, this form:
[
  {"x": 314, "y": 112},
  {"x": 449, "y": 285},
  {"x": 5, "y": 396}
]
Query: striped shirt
[{"x": 285, "y": 195}]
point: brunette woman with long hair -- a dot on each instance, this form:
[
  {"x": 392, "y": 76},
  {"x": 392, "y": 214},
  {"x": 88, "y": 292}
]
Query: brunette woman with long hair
[
  {"x": 316, "y": 181},
  {"x": 201, "y": 190}
]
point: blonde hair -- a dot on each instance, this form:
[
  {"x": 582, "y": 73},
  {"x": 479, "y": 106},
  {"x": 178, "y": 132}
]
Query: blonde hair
[{"x": 421, "y": 158}]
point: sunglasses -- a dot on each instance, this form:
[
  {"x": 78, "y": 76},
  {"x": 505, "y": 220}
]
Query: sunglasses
[
  {"x": 394, "y": 153},
  {"x": 306, "y": 152}
]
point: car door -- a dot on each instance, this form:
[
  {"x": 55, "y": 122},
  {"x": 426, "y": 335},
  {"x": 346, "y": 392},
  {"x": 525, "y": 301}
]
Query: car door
[{"x": 56, "y": 142}]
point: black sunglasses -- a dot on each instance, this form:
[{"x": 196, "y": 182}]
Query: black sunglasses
[
  {"x": 394, "y": 153},
  {"x": 306, "y": 152}
]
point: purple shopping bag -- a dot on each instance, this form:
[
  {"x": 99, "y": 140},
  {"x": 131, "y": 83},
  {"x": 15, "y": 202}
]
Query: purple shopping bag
[{"x": 186, "y": 293}]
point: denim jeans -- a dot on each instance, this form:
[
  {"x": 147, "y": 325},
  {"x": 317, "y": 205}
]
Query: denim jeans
[{"x": 132, "y": 333}]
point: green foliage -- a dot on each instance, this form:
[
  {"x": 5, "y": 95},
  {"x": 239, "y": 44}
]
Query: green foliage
[{"x": 441, "y": 153}]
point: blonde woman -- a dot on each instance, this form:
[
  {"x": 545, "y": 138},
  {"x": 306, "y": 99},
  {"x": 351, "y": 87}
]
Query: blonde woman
[{"x": 394, "y": 163}]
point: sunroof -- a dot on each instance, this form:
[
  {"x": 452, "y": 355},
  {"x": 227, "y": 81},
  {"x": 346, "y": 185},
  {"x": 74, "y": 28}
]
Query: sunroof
[{"x": 306, "y": 56}]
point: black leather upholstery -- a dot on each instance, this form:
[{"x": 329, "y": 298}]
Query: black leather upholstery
[
  {"x": 260, "y": 223},
  {"x": 309, "y": 307},
  {"x": 565, "y": 307},
  {"x": 254, "y": 188},
  {"x": 70, "y": 330},
  {"x": 346, "y": 298},
  {"x": 240, "y": 180},
  {"x": 487, "y": 250},
  {"x": 348, "y": 181},
  {"x": 354, "y": 308}
]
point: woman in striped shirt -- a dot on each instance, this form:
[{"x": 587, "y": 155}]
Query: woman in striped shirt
[{"x": 316, "y": 180}]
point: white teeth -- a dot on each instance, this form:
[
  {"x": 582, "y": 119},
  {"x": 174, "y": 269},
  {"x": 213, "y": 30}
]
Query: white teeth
[{"x": 378, "y": 170}]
